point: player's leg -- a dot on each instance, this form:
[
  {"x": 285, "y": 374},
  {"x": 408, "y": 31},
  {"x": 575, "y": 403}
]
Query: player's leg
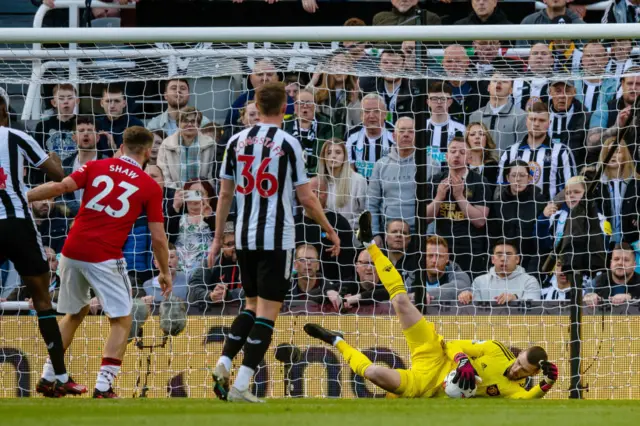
[
  {"x": 110, "y": 282},
  {"x": 241, "y": 326},
  {"x": 273, "y": 270}
]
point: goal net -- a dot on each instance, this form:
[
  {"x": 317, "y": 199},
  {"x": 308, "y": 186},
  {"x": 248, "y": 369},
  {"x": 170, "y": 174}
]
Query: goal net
[{"x": 533, "y": 216}]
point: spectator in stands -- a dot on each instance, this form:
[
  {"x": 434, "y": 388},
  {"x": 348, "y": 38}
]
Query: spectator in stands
[
  {"x": 566, "y": 56},
  {"x": 158, "y": 137},
  {"x": 551, "y": 223},
  {"x": 557, "y": 285},
  {"x": 292, "y": 85},
  {"x": 486, "y": 59},
  {"x": 620, "y": 283},
  {"x": 195, "y": 230},
  {"x": 534, "y": 86},
  {"x": 399, "y": 93},
  {"x": 86, "y": 137},
  {"x": 176, "y": 94},
  {"x": 392, "y": 187},
  {"x": 482, "y": 154},
  {"x": 55, "y": 134},
  {"x": 457, "y": 202},
  {"x": 505, "y": 282},
  {"x": 346, "y": 189},
  {"x": 568, "y": 120},
  {"x": 485, "y": 12},
  {"x": 397, "y": 242},
  {"x": 264, "y": 71},
  {"x": 620, "y": 61},
  {"x": 441, "y": 127},
  {"x": 441, "y": 279},
  {"x": 467, "y": 95},
  {"x": 311, "y": 128},
  {"x": 180, "y": 288},
  {"x": 551, "y": 164},
  {"x": 336, "y": 94},
  {"x": 371, "y": 140},
  {"x": 115, "y": 121},
  {"x": 594, "y": 91},
  {"x": 609, "y": 121},
  {"x": 619, "y": 192},
  {"x": 21, "y": 293},
  {"x": 406, "y": 12},
  {"x": 556, "y": 12},
  {"x": 51, "y": 223},
  {"x": 307, "y": 284},
  {"x": 222, "y": 282},
  {"x": 368, "y": 290},
  {"x": 622, "y": 12},
  {"x": 506, "y": 121},
  {"x": 309, "y": 232},
  {"x": 169, "y": 203},
  {"x": 515, "y": 212},
  {"x": 187, "y": 154}
]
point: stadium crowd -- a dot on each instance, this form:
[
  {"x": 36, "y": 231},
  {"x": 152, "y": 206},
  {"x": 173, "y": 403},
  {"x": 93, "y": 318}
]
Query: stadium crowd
[{"x": 511, "y": 144}]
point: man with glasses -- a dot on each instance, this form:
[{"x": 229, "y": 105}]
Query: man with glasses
[
  {"x": 311, "y": 128},
  {"x": 441, "y": 128},
  {"x": 307, "y": 283}
]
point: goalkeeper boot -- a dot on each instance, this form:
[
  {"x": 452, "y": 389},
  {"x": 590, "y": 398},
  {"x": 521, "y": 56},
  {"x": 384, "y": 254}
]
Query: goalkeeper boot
[
  {"x": 220, "y": 381},
  {"x": 236, "y": 395},
  {"x": 364, "y": 233},
  {"x": 109, "y": 394},
  {"x": 321, "y": 333}
]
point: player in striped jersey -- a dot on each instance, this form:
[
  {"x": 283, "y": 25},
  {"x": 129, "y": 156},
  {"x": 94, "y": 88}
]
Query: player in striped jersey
[
  {"x": 370, "y": 141},
  {"x": 551, "y": 164},
  {"x": 20, "y": 242},
  {"x": 262, "y": 167}
]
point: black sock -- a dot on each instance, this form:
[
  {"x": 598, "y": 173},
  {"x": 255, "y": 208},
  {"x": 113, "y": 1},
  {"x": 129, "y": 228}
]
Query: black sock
[
  {"x": 240, "y": 329},
  {"x": 51, "y": 334},
  {"x": 258, "y": 342}
]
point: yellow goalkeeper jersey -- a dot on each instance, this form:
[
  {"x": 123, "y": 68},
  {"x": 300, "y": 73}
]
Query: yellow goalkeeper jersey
[{"x": 491, "y": 359}]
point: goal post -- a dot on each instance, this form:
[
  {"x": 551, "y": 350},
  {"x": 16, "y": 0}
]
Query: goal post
[{"x": 596, "y": 348}]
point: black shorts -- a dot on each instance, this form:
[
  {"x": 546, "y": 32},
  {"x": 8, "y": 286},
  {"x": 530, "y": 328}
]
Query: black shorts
[
  {"x": 20, "y": 243},
  {"x": 266, "y": 273}
]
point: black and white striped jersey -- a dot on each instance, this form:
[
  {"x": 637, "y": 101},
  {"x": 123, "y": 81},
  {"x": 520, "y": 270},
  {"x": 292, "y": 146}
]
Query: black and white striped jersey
[
  {"x": 551, "y": 164},
  {"x": 266, "y": 164},
  {"x": 15, "y": 148},
  {"x": 439, "y": 135},
  {"x": 364, "y": 151},
  {"x": 529, "y": 90}
]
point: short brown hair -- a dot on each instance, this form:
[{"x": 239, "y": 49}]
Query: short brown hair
[
  {"x": 189, "y": 111},
  {"x": 354, "y": 22},
  {"x": 440, "y": 87},
  {"x": 270, "y": 98},
  {"x": 136, "y": 139},
  {"x": 115, "y": 89},
  {"x": 65, "y": 86},
  {"x": 172, "y": 247},
  {"x": 84, "y": 119},
  {"x": 539, "y": 107},
  {"x": 535, "y": 354},
  {"x": 437, "y": 240}
]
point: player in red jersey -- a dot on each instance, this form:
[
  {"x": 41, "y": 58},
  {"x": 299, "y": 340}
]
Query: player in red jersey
[{"x": 116, "y": 192}]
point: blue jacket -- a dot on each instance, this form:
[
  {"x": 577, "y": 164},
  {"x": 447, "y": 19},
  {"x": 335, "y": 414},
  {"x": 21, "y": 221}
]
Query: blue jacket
[
  {"x": 608, "y": 91},
  {"x": 234, "y": 114},
  {"x": 137, "y": 249},
  {"x": 116, "y": 128}
]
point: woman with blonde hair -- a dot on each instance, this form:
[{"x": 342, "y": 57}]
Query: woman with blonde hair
[
  {"x": 482, "y": 155},
  {"x": 618, "y": 192},
  {"x": 347, "y": 189}
]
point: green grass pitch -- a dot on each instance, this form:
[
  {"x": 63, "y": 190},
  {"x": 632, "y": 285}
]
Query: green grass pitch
[{"x": 303, "y": 412}]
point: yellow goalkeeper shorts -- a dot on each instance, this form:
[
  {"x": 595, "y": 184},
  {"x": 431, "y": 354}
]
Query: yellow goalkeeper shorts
[{"x": 429, "y": 362}]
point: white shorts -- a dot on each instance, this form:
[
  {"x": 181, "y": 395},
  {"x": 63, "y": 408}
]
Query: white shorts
[{"x": 109, "y": 281}]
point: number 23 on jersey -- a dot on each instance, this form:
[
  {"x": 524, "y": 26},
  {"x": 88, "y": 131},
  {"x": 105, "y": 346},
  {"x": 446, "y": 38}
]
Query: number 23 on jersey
[
  {"x": 114, "y": 210},
  {"x": 266, "y": 183}
]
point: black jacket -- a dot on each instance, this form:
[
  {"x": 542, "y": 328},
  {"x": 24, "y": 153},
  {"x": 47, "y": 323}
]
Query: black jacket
[
  {"x": 406, "y": 101},
  {"x": 575, "y": 134},
  {"x": 54, "y": 230},
  {"x": 498, "y": 17},
  {"x": 606, "y": 288},
  {"x": 475, "y": 96},
  {"x": 630, "y": 211}
]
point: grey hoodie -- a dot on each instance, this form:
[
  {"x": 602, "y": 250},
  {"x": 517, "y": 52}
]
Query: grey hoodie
[
  {"x": 488, "y": 286},
  {"x": 542, "y": 18},
  {"x": 392, "y": 189}
]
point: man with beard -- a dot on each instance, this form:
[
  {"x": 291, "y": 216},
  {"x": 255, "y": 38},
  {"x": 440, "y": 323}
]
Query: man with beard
[
  {"x": 51, "y": 224},
  {"x": 620, "y": 283},
  {"x": 176, "y": 94}
]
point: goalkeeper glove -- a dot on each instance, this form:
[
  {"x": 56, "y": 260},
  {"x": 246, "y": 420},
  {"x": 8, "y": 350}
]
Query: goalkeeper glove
[
  {"x": 550, "y": 373},
  {"x": 466, "y": 375}
]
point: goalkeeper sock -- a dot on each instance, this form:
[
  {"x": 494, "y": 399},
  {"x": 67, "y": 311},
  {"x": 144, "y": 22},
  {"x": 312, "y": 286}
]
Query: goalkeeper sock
[
  {"x": 51, "y": 335},
  {"x": 389, "y": 275},
  {"x": 109, "y": 369},
  {"x": 237, "y": 336},
  {"x": 356, "y": 359},
  {"x": 254, "y": 349}
]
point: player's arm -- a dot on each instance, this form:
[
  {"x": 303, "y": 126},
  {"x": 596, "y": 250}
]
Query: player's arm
[
  {"x": 160, "y": 247},
  {"x": 473, "y": 348},
  {"x": 550, "y": 373},
  {"x": 225, "y": 198},
  {"x": 52, "y": 190},
  {"x": 314, "y": 210},
  {"x": 52, "y": 166}
]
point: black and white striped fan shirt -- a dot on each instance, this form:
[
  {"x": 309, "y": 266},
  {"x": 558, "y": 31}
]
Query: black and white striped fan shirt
[
  {"x": 266, "y": 164},
  {"x": 364, "y": 151},
  {"x": 439, "y": 135},
  {"x": 551, "y": 165},
  {"x": 15, "y": 148}
]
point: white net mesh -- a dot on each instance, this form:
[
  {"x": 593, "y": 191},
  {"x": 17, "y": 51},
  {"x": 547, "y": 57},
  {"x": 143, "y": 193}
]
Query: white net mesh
[{"x": 521, "y": 158}]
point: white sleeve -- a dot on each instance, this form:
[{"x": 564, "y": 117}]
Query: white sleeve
[{"x": 30, "y": 148}]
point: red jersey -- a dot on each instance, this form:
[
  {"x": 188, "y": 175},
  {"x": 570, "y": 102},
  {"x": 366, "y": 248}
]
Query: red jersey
[{"x": 116, "y": 192}]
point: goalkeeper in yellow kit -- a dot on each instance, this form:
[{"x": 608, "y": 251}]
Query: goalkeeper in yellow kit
[{"x": 432, "y": 357}]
